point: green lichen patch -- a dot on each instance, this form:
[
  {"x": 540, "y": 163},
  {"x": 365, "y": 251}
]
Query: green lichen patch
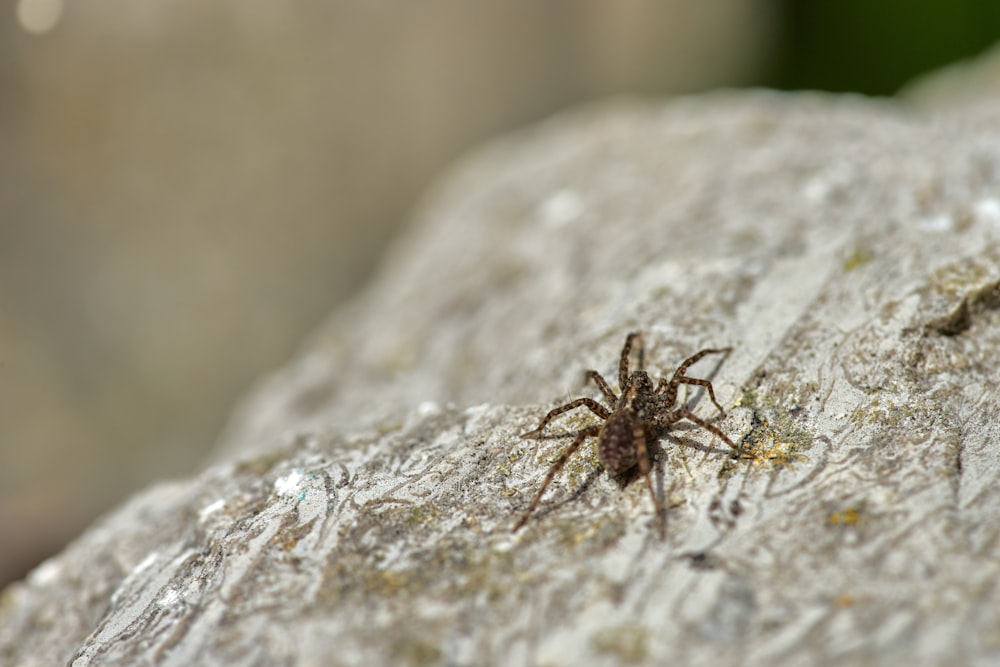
[
  {"x": 593, "y": 535},
  {"x": 409, "y": 649},
  {"x": 974, "y": 303},
  {"x": 972, "y": 287},
  {"x": 748, "y": 399},
  {"x": 585, "y": 461},
  {"x": 882, "y": 411},
  {"x": 955, "y": 279},
  {"x": 858, "y": 258},
  {"x": 628, "y": 644},
  {"x": 452, "y": 568}
]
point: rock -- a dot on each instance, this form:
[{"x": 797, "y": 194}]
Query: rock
[
  {"x": 970, "y": 87},
  {"x": 361, "y": 504}
]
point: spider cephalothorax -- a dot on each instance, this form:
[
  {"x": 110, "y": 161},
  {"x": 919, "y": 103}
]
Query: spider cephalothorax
[{"x": 640, "y": 414}]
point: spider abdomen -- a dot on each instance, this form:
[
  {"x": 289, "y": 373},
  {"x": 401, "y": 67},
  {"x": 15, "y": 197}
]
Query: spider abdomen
[{"x": 616, "y": 443}]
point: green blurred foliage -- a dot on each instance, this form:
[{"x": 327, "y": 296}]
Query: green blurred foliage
[{"x": 876, "y": 46}]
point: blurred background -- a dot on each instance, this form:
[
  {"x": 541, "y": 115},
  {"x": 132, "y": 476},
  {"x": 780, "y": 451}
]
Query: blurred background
[{"x": 188, "y": 187}]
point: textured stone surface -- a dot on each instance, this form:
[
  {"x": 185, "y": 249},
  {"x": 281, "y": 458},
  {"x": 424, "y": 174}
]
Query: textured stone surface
[{"x": 360, "y": 508}]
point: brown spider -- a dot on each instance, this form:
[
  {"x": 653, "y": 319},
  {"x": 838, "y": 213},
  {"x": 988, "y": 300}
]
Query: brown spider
[{"x": 641, "y": 414}]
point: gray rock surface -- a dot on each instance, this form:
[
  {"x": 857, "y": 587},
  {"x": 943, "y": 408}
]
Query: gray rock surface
[{"x": 360, "y": 507}]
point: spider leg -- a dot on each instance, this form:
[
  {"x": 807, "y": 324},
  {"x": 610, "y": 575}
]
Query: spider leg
[
  {"x": 669, "y": 390},
  {"x": 594, "y": 406},
  {"x": 691, "y": 417},
  {"x": 602, "y": 384},
  {"x": 634, "y": 338},
  {"x": 639, "y": 438},
  {"x": 669, "y": 387},
  {"x": 556, "y": 467},
  {"x": 702, "y": 383},
  {"x": 682, "y": 369}
]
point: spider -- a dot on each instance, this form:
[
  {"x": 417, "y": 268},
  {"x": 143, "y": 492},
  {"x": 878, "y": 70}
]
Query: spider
[{"x": 640, "y": 414}]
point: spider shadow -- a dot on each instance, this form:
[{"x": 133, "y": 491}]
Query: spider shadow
[
  {"x": 578, "y": 493},
  {"x": 657, "y": 456},
  {"x": 622, "y": 480},
  {"x": 682, "y": 440}
]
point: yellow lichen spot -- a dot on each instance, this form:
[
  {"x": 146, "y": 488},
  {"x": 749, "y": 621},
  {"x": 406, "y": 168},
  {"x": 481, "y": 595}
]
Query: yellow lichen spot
[
  {"x": 775, "y": 453},
  {"x": 764, "y": 445},
  {"x": 503, "y": 469},
  {"x": 848, "y": 517},
  {"x": 845, "y": 601}
]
